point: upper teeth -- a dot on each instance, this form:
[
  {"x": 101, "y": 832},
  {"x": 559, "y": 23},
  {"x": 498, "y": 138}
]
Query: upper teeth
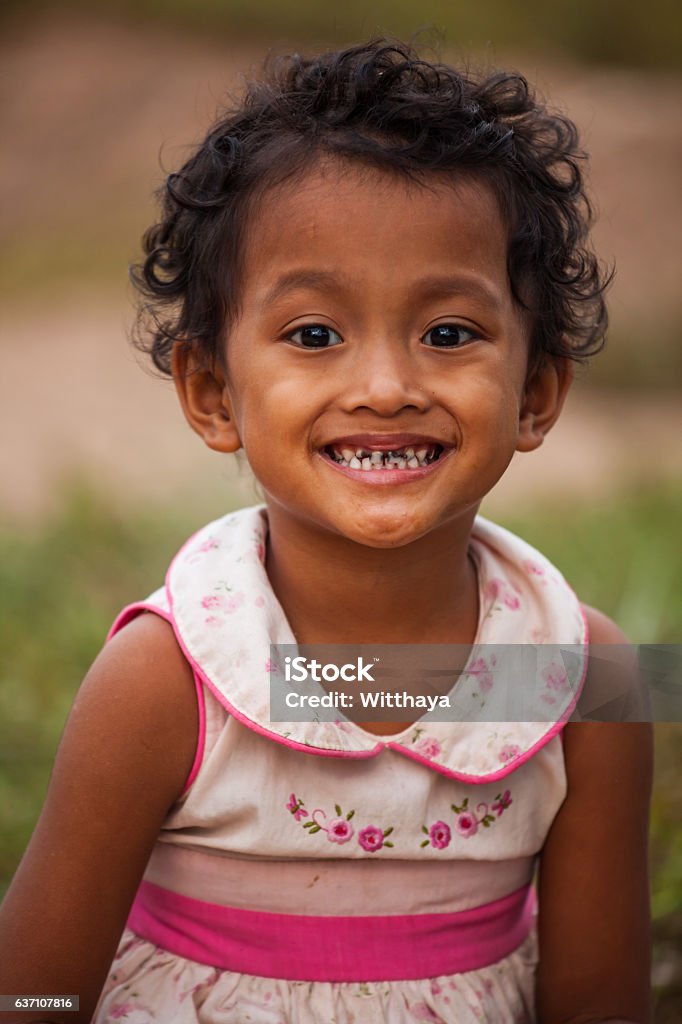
[{"x": 398, "y": 458}]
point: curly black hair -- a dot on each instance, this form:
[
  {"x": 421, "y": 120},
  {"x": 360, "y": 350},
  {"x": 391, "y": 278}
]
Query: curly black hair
[{"x": 380, "y": 105}]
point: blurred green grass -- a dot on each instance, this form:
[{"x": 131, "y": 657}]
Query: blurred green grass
[
  {"x": 594, "y": 31},
  {"x": 62, "y": 585}
]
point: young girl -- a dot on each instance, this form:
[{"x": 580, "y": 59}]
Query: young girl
[{"x": 373, "y": 279}]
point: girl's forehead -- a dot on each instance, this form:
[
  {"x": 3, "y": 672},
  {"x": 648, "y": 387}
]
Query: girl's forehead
[{"x": 365, "y": 222}]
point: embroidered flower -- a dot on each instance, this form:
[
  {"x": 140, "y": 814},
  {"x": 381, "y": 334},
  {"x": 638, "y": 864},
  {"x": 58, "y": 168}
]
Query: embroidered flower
[
  {"x": 501, "y": 803},
  {"x": 371, "y": 838},
  {"x": 427, "y": 746},
  {"x": 296, "y": 807},
  {"x": 440, "y": 835},
  {"x": 509, "y": 751},
  {"x": 211, "y": 601},
  {"x": 260, "y": 601},
  {"x": 467, "y": 825},
  {"x": 498, "y": 588},
  {"x": 339, "y": 831}
]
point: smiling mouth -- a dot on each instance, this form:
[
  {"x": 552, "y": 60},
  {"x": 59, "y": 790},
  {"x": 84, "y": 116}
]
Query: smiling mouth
[{"x": 410, "y": 457}]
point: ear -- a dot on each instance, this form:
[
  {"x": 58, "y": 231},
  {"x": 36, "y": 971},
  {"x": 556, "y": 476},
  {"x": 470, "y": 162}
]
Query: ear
[
  {"x": 204, "y": 398},
  {"x": 543, "y": 400}
]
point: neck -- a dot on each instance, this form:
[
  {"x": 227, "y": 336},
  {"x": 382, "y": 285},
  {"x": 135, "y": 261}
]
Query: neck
[{"x": 336, "y": 591}]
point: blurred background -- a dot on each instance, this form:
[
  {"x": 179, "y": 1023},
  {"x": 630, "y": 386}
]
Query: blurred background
[{"x": 102, "y": 479}]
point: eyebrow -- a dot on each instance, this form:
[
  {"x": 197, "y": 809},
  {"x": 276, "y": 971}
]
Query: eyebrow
[
  {"x": 293, "y": 280},
  {"x": 443, "y": 287},
  {"x": 433, "y": 287}
]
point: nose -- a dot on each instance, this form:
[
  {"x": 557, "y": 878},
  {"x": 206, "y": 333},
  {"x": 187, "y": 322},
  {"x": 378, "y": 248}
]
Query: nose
[{"x": 384, "y": 379}]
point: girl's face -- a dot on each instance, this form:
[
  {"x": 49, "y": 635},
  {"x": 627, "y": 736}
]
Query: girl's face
[{"x": 376, "y": 317}]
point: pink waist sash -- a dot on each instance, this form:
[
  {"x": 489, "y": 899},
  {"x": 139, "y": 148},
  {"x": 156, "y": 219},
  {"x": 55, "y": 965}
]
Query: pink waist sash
[{"x": 298, "y": 947}]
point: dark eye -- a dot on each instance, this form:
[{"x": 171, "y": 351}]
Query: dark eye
[
  {"x": 315, "y": 336},
  {"x": 448, "y": 336}
]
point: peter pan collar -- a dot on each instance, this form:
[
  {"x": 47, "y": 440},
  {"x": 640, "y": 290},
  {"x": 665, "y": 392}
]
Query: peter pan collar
[{"x": 226, "y": 616}]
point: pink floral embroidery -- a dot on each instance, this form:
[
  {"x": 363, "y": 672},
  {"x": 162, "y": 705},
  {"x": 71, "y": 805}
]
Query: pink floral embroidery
[
  {"x": 439, "y": 835},
  {"x": 339, "y": 831},
  {"x": 502, "y": 803},
  {"x": 509, "y": 752},
  {"x": 296, "y": 807},
  {"x": 498, "y": 588},
  {"x": 467, "y": 825},
  {"x": 467, "y": 821},
  {"x": 371, "y": 838},
  {"x": 260, "y": 552},
  {"x": 260, "y": 601},
  {"x": 427, "y": 746}
]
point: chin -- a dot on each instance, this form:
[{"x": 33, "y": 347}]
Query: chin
[{"x": 385, "y": 532}]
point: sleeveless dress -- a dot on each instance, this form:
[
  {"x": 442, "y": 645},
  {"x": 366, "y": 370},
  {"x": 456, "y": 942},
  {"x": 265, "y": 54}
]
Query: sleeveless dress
[{"x": 312, "y": 872}]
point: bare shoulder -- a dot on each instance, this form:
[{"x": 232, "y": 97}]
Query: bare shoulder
[
  {"x": 127, "y": 748},
  {"x": 138, "y": 704},
  {"x": 143, "y": 668},
  {"x": 602, "y": 629}
]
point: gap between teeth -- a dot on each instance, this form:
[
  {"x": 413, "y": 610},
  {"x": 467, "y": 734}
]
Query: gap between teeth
[{"x": 360, "y": 458}]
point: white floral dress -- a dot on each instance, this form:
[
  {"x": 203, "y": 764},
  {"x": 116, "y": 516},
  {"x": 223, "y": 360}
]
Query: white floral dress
[{"x": 313, "y": 872}]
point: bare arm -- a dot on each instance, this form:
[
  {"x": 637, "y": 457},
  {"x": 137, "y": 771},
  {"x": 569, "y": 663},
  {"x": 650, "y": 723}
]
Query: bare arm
[
  {"x": 127, "y": 749},
  {"x": 593, "y": 885}
]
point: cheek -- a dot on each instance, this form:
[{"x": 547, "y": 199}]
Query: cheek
[{"x": 491, "y": 397}]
